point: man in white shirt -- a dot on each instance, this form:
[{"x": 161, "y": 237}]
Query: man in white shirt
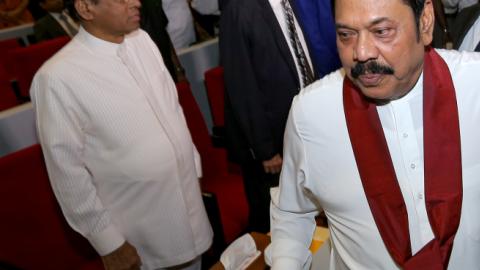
[
  {"x": 376, "y": 145},
  {"x": 180, "y": 23},
  {"x": 118, "y": 152}
]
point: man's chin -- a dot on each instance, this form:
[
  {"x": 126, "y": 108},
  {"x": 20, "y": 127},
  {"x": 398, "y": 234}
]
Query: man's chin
[
  {"x": 376, "y": 93},
  {"x": 132, "y": 29}
]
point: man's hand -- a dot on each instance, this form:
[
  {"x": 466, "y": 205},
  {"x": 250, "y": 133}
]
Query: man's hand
[
  {"x": 273, "y": 165},
  {"x": 123, "y": 258}
]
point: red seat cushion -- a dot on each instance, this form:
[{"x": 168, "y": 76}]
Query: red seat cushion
[
  {"x": 7, "y": 97},
  {"x": 33, "y": 232},
  {"x": 228, "y": 188},
  {"x": 215, "y": 85},
  {"x": 26, "y": 61}
]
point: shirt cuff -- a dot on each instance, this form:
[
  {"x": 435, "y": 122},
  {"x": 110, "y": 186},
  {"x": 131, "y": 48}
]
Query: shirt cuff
[
  {"x": 289, "y": 255},
  {"x": 286, "y": 263},
  {"x": 106, "y": 241}
]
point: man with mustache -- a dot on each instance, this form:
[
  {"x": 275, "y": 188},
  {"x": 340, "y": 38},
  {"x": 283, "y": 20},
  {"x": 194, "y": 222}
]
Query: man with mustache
[
  {"x": 118, "y": 152},
  {"x": 387, "y": 147}
]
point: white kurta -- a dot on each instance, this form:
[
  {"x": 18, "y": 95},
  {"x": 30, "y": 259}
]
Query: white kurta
[
  {"x": 319, "y": 172},
  {"x": 118, "y": 152}
]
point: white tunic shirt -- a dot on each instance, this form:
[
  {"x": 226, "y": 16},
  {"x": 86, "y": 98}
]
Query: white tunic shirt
[
  {"x": 118, "y": 152},
  {"x": 319, "y": 172}
]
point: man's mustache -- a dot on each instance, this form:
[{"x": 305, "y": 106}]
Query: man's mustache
[{"x": 370, "y": 67}]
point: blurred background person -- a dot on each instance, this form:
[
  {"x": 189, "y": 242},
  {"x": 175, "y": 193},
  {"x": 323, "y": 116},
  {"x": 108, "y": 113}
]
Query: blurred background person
[
  {"x": 56, "y": 23},
  {"x": 180, "y": 23},
  {"x": 206, "y": 16},
  {"x": 466, "y": 29},
  {"x": 14, "y": 12},
  {"x": 455, "y": 6},
  {"x": 154, "y": 21}
]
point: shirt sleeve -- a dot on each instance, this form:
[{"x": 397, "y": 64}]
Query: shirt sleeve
[
  {"x": 206, "y": 7},
  {"x": 60, "y": 131},
  {"x": 292, "y": 212}
]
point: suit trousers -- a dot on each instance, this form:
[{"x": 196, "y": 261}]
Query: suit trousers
[{"x": 257, "y": 185}]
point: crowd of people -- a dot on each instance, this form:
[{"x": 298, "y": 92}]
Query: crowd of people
[{"x": 351, "y": 108}]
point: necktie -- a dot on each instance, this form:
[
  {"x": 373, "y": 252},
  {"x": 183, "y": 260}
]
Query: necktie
[
  {"x": 477, "y": 49},
  {"x": 305, "y": 69},
  {"x": 72, "y": 30}
]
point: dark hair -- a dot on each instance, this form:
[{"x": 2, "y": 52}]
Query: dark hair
[
  {"x": 416, "y": 6},
  {"x": 70, "y": 7}
]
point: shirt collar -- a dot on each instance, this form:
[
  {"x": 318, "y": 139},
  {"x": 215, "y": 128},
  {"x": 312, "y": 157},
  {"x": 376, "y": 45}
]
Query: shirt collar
[
  {"x": 96, "y": 44},
  {"x": 413, "y": 94}
]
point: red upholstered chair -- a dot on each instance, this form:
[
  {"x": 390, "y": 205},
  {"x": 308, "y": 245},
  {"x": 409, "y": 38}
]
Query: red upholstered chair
[
  {"x": 227, "y": 188},
  {"x": 216, "y": 94},
  {"x": 215, "y": 85},
  {"x": 33, "y": 231},
  {"x": 26, "y": 61},
  {"x": 5, "y": 46},
  {"x": 7, "y": 96},
  {"x": 8, "y": 44}
]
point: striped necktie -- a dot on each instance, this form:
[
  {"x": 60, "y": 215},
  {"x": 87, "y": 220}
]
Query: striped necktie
[{"x": 305, "y": 69}]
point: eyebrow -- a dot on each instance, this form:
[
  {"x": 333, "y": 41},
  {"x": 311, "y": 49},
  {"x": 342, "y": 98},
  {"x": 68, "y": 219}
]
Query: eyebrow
[{"x": 374, "y": 22}]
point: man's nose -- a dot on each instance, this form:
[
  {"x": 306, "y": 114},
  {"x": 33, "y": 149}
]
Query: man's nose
[
  {"x": 135, "y": 3},
  {"x": 365, "y": 48}
]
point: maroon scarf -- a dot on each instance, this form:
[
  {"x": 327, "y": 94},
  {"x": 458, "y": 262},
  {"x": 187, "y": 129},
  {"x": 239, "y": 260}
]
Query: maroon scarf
[{"x": 443, "y": 168}]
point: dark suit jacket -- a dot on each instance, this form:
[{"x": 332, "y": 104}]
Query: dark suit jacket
[
  {"x": 260, "y": 76},
  {"x": 48, "y": 28},
  {"x": 463, "y": 22}
]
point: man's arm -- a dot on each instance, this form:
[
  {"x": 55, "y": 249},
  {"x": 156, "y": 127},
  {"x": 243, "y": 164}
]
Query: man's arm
[
  {"x": 292, "y": 212},
  {"x": 242, "y": 88},
  {"x": 59, "y": 126}
]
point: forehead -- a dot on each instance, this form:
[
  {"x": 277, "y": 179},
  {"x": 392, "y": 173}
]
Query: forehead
[{"x": 365, "y": 12}]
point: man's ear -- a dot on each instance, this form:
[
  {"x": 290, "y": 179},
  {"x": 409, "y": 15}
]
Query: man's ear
[
  {"x": 84, "y": 9},
  {"x": 426, "y": 23}
]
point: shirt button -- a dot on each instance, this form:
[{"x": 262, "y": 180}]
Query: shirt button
[
  {"x": 413, "y": 166},
  {"x": 405, "y": 135},
  {"x": 420, "y": 196}
]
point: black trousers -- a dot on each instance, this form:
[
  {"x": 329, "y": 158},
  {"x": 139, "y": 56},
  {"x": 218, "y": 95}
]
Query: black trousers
[{"x": 257, "y": 185}]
